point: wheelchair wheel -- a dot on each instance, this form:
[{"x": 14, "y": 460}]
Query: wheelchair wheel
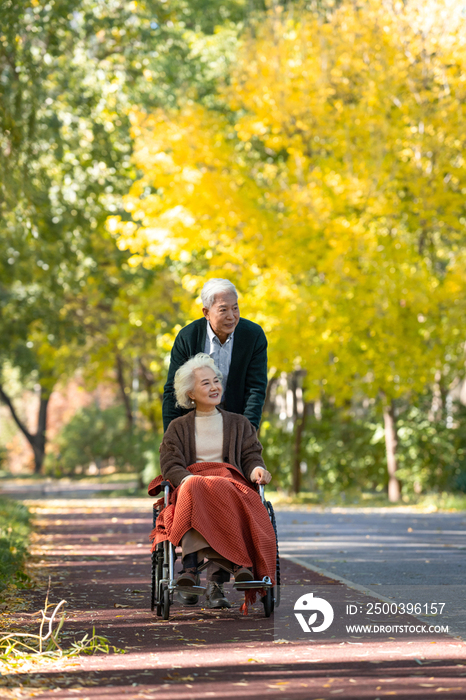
[
  {"x": 268, "y": 602},
  {"x": 157, "y": 575},
  {"x": 153, "y": 580},
  {"x": 165, "y": 604},
  {"x": 276, "y": 588}
]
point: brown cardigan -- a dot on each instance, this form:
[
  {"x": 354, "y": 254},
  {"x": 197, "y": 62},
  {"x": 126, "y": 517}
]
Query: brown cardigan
[{"x": 241, "y": 448}]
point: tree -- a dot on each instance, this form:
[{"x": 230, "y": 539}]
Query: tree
[
  {"x": 69, "y": 75},
  {"x": 332, "y": 190}
]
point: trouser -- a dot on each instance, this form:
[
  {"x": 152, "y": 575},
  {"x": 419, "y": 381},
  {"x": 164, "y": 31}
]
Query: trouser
[{"x": 194, "y": 546}]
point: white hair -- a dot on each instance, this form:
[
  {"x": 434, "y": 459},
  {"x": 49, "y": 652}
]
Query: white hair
[
  {"x": 217, "y": 285},
  {"x": 184, "y": 377}
]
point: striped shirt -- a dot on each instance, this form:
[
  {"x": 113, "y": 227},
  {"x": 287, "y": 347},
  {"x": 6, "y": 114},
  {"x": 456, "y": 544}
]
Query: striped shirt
[{"x": 221, "y": 354}]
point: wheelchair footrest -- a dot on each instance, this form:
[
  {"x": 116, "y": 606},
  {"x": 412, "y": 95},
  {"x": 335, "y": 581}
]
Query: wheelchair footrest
[
  {"x": 194, "y": 590},
  {"x": 246, "y": 585}
]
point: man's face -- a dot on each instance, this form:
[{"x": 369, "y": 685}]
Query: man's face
[{"x": 223, "y": 315}]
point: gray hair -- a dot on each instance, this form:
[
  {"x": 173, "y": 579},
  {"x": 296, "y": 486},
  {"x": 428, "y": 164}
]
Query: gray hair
[
  {"x": 217, "y": 285},
  {"x": 184, "y": 377}
]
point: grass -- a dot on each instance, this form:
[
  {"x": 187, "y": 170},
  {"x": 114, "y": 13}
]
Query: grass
[
  {"x": 18, "y": 647},
  {"x": 15, "y": 528},
  {"x": 357, "y": 499}
]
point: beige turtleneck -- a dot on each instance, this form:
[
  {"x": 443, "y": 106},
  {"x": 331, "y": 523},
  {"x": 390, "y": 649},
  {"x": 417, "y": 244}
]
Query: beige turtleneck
[
  {"x": 208, "y": 428},
  {"x": 209, "y": 436}
]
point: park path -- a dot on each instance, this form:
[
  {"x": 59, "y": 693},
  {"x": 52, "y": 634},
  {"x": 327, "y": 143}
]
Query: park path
[{"x": 97, "y": 555}]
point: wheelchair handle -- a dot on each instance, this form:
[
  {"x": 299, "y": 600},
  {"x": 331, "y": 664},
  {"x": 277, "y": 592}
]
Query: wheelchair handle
[{"x": 261, "y": 493}]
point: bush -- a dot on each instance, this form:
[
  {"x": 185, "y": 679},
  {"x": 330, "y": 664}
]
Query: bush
[
  {"x": 277, "y": 442},
  {"x": 339, "y": 452},
  {"x": 14, "y": 534},
  {"x": 344, "y": 452},
  {"x": 429, "y": 452},
  {"x": 100, "y": 437}
]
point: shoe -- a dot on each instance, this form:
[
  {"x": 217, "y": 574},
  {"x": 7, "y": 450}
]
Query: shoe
[
  {"x": 215, "y": 596},
  {"x": 186, "y": 598},
  {"x": 183, "y": 597},
  {"x": 242, "y": 575},
  {"x": 187, "y": 579}
]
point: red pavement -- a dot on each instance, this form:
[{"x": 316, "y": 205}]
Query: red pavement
[{"x": 97, "y": 554}]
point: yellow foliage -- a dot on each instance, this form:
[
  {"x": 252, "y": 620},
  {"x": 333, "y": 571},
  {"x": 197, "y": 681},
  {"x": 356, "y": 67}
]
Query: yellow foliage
[{"x": 332, "y": 194}]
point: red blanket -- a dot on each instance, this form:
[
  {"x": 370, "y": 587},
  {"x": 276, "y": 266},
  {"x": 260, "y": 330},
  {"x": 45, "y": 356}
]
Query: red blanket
[{"x": 228, "y": 513}]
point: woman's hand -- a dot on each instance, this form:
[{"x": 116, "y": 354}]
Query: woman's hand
[
  {"x": 190, "y": 476},
  {"x": 260, "y": 475}
]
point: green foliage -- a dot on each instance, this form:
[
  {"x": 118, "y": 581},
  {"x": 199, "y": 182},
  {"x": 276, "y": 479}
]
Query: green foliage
[
  {"x": 277, "y": 442},
  {"x": 100, "y": 437},
  {"x": 14, "y": 534},
  {"x": 430, "y": 454},
  {"x": 70, "y": 74},
  {"x": 339, "y": 452},
  {"x": 459, "y": 480},
  {"x": 345, "y": 453},
  {"x": 3, "y": 457}
]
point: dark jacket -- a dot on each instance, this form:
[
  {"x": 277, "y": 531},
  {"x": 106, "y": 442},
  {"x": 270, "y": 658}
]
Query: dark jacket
[
  {"x": 247, "y": 378},
  {"x": 241, "y": 448}
]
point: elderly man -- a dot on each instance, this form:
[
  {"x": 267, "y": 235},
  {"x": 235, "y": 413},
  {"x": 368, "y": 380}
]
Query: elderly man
[
  {"x": 237, "y": 346},
  {"x": 239, "y": 349}
]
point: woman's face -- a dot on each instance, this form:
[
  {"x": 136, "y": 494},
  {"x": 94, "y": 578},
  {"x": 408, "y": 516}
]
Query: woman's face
[{"x": 207, "y": 391}]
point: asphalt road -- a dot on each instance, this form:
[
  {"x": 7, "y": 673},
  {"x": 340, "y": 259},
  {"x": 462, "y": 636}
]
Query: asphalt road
[{"x": 397, "y": 555}]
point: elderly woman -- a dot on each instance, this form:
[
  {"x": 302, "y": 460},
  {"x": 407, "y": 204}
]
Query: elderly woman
[{"x": 213, "y": 458}]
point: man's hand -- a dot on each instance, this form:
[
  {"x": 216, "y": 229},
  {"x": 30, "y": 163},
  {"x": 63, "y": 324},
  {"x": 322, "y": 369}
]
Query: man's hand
[{"x": 260, "y": 475}]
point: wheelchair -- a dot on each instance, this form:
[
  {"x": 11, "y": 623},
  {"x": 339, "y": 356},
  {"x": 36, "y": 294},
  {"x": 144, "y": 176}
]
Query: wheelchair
[{"x": 163, "y": 583}]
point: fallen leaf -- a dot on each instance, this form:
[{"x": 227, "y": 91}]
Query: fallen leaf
[
  {"x": 119, "y": 605},
  {"x": 446, "y": 690}
]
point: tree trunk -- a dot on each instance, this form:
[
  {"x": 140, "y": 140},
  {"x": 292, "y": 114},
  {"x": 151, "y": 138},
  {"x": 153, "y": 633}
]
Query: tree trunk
[
  {"x": 437, "y": 407},
  {"x": 124, "y": 394},
  {"x": 40, "y": 437},
  {"x": 391, "y": 443},
  {"x": 37, "y": 440},
  {"x": 149, "y": 383},
  {"x": 297, "y": 451}
]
